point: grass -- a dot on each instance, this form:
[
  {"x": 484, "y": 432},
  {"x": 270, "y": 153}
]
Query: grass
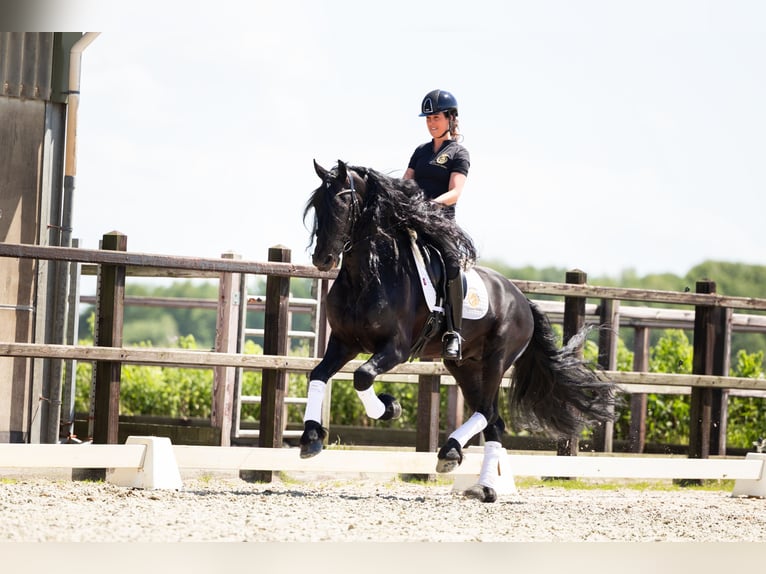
[{"x": 658, "y": 485}]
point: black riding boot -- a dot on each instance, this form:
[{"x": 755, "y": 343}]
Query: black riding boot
[{"x": 454, "y": 314}]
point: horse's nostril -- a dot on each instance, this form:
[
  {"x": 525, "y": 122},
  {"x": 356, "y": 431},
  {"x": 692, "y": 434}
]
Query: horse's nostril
[{"x": 323, "y": 264}]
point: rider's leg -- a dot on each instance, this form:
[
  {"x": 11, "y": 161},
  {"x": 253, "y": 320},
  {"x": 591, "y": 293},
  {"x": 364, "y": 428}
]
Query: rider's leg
[{"x": 454, "y": 314}]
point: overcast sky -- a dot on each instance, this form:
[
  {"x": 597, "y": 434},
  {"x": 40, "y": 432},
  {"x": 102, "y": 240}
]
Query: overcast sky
[{"x": 606, "y": 136}]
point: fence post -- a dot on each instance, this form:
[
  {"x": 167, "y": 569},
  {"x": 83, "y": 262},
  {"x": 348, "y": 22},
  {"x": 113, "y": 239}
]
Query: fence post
[
  {"x": 638, "y": 401},
  {"x": 226, "y": 341},
  {"x": 721, "y": 364},
  {"x": 455, "y": 406},
  {"x": 609, "y": 314},
  {"x": 274, "y": 381},
  {"x": 320, "y": 344},
  {"x": 427, "y": 433},
  {"x": 111, "y": 305},
  {"x": 710, "y": 358},
  {"x": 574, "y": 320}
]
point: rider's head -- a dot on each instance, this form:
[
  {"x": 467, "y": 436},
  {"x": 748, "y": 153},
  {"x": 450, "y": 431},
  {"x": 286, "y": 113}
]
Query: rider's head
[{"x": 441, "y": 102}]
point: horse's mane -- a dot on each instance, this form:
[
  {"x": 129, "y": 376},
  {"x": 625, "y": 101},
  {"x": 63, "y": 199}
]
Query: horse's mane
[
  {"x": 395, "y": 206},
  {"x": 391, "y": 208}
]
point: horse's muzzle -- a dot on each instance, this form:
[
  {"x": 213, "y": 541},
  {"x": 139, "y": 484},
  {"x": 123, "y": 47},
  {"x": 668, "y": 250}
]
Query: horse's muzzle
[{"x": 325, "y": 264}]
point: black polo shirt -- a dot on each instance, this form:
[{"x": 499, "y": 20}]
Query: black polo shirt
[{"x": 432, "y": 170}]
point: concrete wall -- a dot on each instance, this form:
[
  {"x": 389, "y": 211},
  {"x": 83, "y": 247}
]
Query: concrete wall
[{"x": 22, "y": 133}]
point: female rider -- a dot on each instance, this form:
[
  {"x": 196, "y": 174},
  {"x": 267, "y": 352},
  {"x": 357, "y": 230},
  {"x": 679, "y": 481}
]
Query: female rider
[{"x": 440, "y": 168}]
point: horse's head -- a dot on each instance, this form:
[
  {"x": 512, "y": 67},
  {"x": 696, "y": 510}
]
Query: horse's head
[{"x": 336, "y": 204}]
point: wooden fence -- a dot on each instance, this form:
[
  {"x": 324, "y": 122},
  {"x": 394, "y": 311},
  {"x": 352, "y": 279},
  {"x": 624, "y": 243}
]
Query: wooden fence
[{"x": 713, "y": 320}]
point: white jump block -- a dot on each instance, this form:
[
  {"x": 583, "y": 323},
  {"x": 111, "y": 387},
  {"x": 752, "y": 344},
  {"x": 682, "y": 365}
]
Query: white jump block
[
  {"x": 157, "y": 471},
  {"x": 752, "y": 487},
  {"x": 505, "y": 485}
]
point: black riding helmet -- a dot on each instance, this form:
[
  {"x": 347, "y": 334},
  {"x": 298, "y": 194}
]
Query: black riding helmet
[{"x": 438, "y": 101}]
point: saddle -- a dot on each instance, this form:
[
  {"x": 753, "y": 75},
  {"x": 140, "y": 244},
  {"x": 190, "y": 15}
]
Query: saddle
[{"x": 433, "y": 279}]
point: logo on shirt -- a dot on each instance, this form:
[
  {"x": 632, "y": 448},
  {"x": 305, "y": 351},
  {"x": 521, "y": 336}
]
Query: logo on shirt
[{"x": 442, "y": 159}]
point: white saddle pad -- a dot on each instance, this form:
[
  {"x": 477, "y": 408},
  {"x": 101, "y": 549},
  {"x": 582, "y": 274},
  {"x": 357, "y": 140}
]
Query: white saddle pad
[{"x": 475, "y": 300}]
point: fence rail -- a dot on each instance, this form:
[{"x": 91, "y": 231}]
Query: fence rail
[
  {"x": 711, "y": 333},
  {"x": 208, "y": 359},
  {"x": 138, "y": 261}
]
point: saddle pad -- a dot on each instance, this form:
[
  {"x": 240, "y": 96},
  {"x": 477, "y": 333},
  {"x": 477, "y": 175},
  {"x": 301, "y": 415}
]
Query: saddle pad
[{"x": 475, "y": 300}]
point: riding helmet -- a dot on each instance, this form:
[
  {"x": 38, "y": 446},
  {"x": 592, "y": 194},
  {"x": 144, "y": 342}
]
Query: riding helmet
[{"x": 438, "y": 101}]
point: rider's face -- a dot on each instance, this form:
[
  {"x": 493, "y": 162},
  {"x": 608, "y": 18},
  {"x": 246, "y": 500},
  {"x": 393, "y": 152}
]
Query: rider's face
[{"x": 437, "y": 124}]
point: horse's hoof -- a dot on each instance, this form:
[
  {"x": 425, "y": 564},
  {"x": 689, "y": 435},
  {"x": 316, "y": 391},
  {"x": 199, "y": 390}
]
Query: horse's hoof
[
  {"x": 312, "y": 439},
  {"x": 312, "y": 448},
  {"x": 450, "y": 456},
  {"x": 482, "y": 493},
  {"x": 393, "y": 408}
]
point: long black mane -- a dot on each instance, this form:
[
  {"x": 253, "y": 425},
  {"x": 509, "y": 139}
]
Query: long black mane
[{"x": 391, "y": 208}]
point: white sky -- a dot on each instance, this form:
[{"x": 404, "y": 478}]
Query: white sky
[{"x": 604, "y": 135}]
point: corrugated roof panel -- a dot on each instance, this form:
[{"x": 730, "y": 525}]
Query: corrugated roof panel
[{"x": 26, "y": 60}]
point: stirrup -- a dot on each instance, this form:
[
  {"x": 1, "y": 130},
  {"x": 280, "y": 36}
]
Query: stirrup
[{"x": 450, "y": 340}]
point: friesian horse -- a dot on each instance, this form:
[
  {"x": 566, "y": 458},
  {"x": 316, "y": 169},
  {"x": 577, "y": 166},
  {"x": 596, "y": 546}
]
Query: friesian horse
[{"x": 365, "y": 221}]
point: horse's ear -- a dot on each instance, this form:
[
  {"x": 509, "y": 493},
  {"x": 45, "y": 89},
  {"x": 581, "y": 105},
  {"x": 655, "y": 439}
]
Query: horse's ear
[
  {"x": 342, "y": 171},
  {"x": 321, "y": 172}
]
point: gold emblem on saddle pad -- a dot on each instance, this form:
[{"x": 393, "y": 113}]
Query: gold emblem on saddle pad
[
  {"x": 442, "y": 159},
  {"x": 472, "y": 298}
]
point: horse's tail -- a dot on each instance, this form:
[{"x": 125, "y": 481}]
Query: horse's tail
[{"x": 555, "y": 386}]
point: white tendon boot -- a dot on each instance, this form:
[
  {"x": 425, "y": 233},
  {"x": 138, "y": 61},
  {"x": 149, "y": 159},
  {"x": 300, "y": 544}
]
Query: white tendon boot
[
  {"x": 314, "y": 399},
  {"x": 469, "y": 429},
  {"x": 373, "y": 406},
  {"x": 495, "y": 475},
  {"x": 496, "y": 469}
]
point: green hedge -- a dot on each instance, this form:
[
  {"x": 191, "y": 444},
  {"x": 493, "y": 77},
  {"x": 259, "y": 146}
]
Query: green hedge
[{"x": 184, "y": 392}]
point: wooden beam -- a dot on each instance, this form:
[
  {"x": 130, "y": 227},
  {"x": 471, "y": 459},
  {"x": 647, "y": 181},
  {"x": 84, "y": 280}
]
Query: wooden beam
[
  {"x": 207, "y": 359},
  {"x": 410, "y": 462},
  {"x": 202, "y": 264}
]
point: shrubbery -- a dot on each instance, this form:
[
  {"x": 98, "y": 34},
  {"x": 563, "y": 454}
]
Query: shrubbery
[{"x": 187, "y": 393}]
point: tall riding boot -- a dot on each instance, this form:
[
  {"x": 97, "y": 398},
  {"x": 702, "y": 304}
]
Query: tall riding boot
[{"x": 454, "y": 314}]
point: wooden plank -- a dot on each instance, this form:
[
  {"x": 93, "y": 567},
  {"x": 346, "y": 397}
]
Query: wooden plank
[
  {"x": 410, "y": 462},
  {"x": 110, "y": 315},
  {"x": 291, "y": 270},
  {"x": 275, "y": 342},
  {"x": 383, "y": 461},
  {"x": 206, "y": 359},
  {"x": 427, "y": 423},
  {"x": 226, "y": 341},
  {"x": 72, "y": 455},
  {"x": 643, "y": 295},
  {"x": 675, "y": 380},
  {"x": 330, "y": 460},
  {"x": 164, "y": 262},
  {"x": 638, "y": 468}
]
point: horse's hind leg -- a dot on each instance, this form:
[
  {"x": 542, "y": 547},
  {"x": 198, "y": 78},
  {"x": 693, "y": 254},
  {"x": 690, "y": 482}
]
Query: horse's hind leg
[
  {"x": 484, "y": 490},
  {"x": 451, "y": 454},
  {"x": 480, "y": 383}
]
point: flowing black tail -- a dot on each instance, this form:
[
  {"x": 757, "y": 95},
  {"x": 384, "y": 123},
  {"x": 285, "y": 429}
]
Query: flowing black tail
[{"x": 552, "y": 389}]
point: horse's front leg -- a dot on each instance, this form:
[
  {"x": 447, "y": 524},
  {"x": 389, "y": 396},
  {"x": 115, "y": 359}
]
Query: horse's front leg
[
  {"x": 336, "y": 355},
  {"x": 382, "y": 407}
]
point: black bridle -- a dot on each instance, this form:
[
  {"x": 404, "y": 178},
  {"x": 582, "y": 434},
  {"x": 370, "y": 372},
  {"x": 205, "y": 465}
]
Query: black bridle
[{"x": 355, "y": 209}]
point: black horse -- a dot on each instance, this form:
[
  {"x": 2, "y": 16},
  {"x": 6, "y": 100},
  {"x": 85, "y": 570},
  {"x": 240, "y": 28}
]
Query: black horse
[{"x": 378, "y": 305}]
